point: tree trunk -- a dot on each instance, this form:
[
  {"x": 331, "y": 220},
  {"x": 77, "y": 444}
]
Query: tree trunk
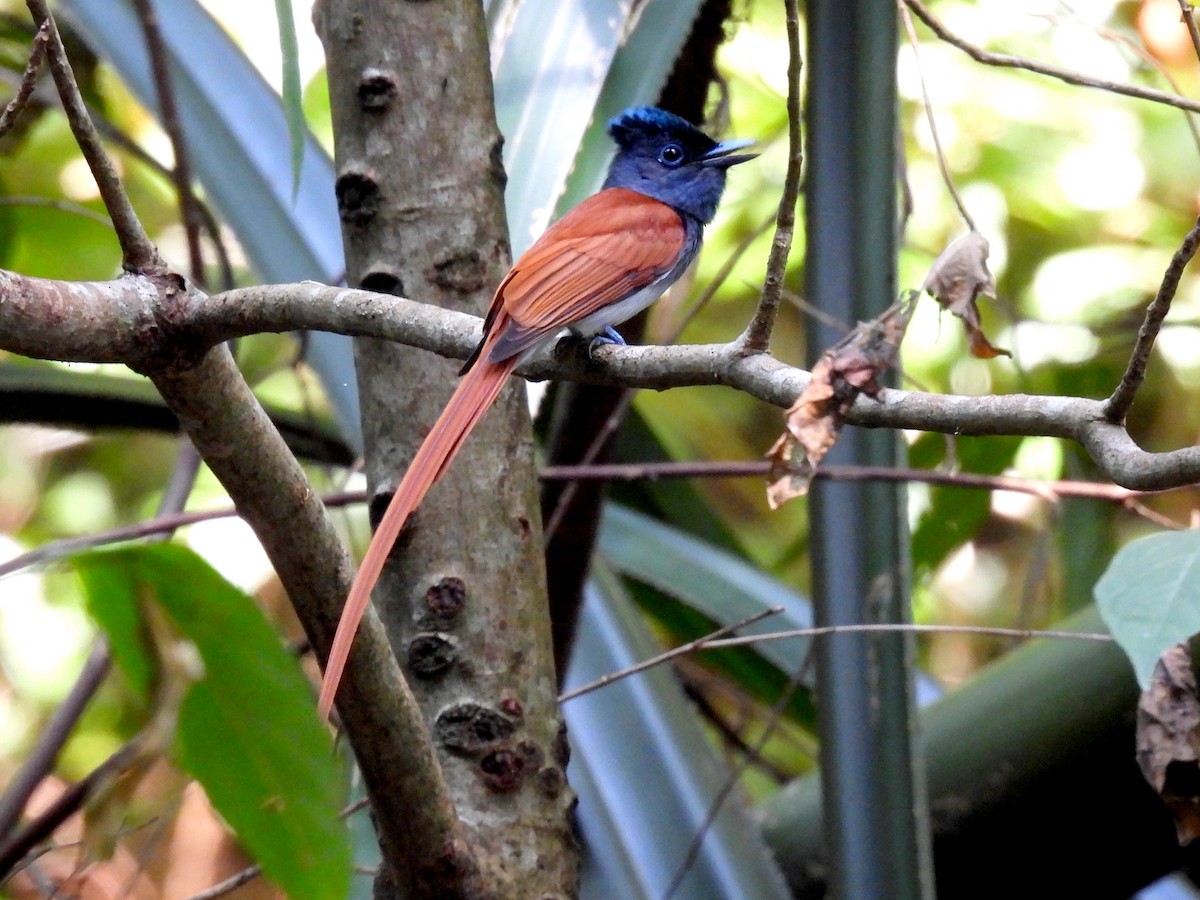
[{"x": 420, "y": 193}]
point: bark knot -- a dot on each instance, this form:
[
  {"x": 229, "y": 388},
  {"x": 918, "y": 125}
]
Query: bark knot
[{"x": 357, "y": 196}]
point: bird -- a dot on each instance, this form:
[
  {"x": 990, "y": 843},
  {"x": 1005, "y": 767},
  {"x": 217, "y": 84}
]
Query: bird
[{"x": 606, "y": 260}]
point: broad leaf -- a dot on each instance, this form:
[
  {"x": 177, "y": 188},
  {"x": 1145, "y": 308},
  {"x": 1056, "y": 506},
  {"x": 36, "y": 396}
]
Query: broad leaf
[
  {"x": 640, "y": 735},
  {"x": 247, "y": 729},
  {"x": 1150, "y": 596},
  {"x": 710, "y": 580}
]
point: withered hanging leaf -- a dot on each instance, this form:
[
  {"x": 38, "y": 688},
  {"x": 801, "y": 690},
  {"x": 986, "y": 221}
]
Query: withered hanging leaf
[
  {"x": 813, "y": 423},
  {"x": 957, "y": 277},
  {"x": 1168, "y": 739}
]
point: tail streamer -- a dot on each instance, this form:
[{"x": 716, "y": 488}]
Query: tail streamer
[{"x": 473, "y": 397}]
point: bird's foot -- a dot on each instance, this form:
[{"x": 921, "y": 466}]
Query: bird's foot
[{"x": 609, "y": 335}]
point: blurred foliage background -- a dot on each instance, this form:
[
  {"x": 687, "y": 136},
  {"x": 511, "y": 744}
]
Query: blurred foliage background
[{"x": 1083, "y": 196}]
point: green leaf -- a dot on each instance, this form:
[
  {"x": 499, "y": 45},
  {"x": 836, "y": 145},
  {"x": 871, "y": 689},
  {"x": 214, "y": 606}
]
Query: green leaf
[
  {"x": 1150, "y": 596},
  {"x": 695, "y": 585},
  {"x": 111, "y": 595},
  {"x": 956, "y": 514},
  {"x": 293, "y": 100},
  {"x": 248, "y": 730},
  {"x": 710, "y": 580}
]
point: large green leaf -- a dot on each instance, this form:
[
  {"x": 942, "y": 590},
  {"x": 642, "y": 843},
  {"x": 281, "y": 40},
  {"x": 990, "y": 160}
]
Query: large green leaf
[
  {"x": 644, "y": 725},
  {"x": 247, "y": 729},
  {"x": 710, "y": 580},
  {"x": 1150, "y": 596}
]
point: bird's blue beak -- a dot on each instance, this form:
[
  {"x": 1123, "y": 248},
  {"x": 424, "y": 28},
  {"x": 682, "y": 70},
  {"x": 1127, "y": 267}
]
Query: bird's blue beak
[{"x": 723, "y": 156}]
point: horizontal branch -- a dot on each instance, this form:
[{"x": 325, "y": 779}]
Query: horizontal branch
[
  {"x": 149, "y": 323},
  {"x": 1008, "y": 61}
]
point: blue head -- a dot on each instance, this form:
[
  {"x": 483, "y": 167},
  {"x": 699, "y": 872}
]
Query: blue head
[{"x": 667, "y": 158}]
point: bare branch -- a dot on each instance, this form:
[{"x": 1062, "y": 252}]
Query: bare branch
[
  {"x": 757, "y": 336},
  {"x": 1007, "y": 61},
  {"x": 14, "y": 849},
  {"x": 1122, "y": 398},
  {"x": 125, "y": 321},
  {"x": 943, "y": 165},
  {"x": 181, "y": 173},
  {"x": 912, "y": 629},
  {"x": 1189, "y": 22},
  {"x": 138, "y": 253},
  {"x": 1051, "y": 491},
  {"x": 229, "y": 885},
  {"x": 160, "y": 525},
  {"x": 53, "y": 736},
  {"x": 1047, "y": 490},
  {"x": 668, "y": 655},
  {"x": 1139, "y": 50},
  {"x": 28, "y": 80}
]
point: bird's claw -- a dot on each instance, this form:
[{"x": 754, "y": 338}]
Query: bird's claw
[{"x": 609, "y": 335}]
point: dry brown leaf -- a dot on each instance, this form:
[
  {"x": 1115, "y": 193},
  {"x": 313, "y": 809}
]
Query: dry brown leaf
[
  {"x": 813, "y": 423},
  {"x": 1168, "y": 738},
  {"x": 957, "y": 277}
]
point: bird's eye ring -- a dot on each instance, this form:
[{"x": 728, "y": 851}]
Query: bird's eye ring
[{"x": 671, "y": 155}]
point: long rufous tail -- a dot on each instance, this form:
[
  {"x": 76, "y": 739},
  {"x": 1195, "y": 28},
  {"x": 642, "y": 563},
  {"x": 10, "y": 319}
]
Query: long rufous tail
[{"x": 472, "y": 398}]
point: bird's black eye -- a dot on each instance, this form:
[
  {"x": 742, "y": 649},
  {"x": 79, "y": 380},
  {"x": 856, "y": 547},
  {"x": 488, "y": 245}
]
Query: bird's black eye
[{"x": 671, "y": 155}]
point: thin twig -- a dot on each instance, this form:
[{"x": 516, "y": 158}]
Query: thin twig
[
  {"x": 1119, "y": 403},
  {"x": 138, "y": 254},
  {"x": 813, "y": 312},
  {"x": 183, "y": 479},
  {"x": 230, "y": 884},
  {"x": 939, "y": 152},
  {"x": 28, "y": 80},
  {"x": 1141, "y": 509},
  {"x": 124, "y": 142},
  {"x": 757, "y": 336},
  {"x": 718, "y": 280},
  {"x": 181, "y": 173},
  {"x": 33, "y": 856},
  {"x": 714, "y": 808},
  {"x": 1189, "y": 22},
  {"x": 1146, "y": 57},
  {"x": 159, "y": 525},
  {"x": 730, "y": 733},
  {"x": 13, "y": 850},
  {"x": 233, "y": 882},
  {"x": 41, "y": 759},
  {"x": 347, "y": 811},
  {"x": 1008, "y": 61},
  {"x": 682, "y": 649},
  {"x": 985, "y": 630},
  {"x": 1047, "y": 490},
  {"x": 712, "y": 642},
  {"x": 247, "y": 875}
]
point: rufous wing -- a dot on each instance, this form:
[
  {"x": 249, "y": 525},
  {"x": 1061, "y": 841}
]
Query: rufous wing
[{"x": 607, "y": 248}]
